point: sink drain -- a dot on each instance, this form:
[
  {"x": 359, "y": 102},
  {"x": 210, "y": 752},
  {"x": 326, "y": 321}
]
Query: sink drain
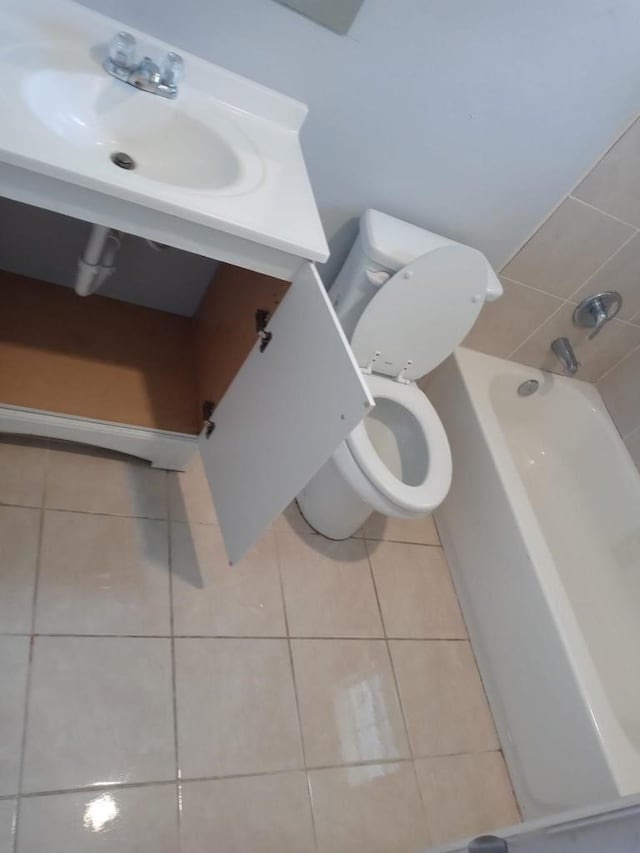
[{"x": 122, "y": 160}]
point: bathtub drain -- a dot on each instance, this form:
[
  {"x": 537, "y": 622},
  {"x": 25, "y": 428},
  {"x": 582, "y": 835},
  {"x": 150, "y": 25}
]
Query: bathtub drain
[{"x": 528, "y": 387}]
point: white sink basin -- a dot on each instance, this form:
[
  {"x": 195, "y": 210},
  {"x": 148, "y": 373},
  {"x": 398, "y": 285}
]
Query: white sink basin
[
  {"x": 165, "y": 143},
  {"x": 183, "y": 143},
  {"x": 221, "y": 163}
]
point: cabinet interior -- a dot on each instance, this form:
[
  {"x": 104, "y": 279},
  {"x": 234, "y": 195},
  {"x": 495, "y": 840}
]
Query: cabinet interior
[{"x": 101, "y": 358}]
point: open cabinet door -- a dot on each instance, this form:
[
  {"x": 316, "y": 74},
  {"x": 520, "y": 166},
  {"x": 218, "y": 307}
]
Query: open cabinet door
[
  {"x": 289, "y": 406},
  {"x": 608, "y": 828}
]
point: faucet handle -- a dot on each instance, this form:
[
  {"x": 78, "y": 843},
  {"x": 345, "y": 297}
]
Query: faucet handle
[
  {"x": 594, "y": 311},
  {"x": 172, "y": 69},
  {"x": 122, "y": 50}
]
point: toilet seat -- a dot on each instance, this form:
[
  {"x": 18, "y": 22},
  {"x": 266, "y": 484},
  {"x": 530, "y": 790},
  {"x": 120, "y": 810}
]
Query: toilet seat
[{"x": 428, "y": 494}]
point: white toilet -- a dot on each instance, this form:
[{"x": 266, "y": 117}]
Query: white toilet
[{"x": 406, "y": 298}]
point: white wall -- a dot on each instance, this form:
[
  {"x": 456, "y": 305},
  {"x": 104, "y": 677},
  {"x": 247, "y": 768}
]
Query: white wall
[{"x": 472, "y": 118}]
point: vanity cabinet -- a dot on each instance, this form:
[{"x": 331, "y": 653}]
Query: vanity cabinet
[{"x": 261, "y": 379}]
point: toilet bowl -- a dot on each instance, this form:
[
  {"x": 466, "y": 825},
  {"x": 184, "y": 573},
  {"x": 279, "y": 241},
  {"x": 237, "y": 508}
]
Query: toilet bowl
[{"x": 406, "y": 298}]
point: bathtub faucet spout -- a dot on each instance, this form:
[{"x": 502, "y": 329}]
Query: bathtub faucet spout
[{"x": 563, "y": 350}]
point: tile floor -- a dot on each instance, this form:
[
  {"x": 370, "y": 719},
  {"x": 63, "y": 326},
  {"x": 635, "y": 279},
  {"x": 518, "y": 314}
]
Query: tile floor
[{"x": 319, "y": 696}]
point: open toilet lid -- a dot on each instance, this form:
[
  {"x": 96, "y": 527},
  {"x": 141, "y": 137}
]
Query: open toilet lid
[{"x": 422, "y": 312}]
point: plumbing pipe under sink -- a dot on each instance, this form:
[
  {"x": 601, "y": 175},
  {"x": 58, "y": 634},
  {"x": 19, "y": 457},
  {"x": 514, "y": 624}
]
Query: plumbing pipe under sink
[{"x": 97, "y": 261}]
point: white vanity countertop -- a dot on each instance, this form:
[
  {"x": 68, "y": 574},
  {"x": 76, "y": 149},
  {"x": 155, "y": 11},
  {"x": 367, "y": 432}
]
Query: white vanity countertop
[{"x": 61, "y": 115}]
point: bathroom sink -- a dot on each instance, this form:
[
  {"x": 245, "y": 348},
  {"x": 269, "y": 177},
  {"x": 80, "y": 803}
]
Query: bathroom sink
[
  {"x": 160, "y": 139},
  {"x": 184, "y": 143},
  {"x": 218, "y": 170}
]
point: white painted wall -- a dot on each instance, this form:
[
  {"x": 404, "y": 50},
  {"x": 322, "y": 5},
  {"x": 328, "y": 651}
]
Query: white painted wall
[{"x": 471, "y": 118}]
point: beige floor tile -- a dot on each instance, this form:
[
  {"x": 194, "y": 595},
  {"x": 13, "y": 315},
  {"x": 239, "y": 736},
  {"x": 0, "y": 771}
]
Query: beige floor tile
[
  {"x": 236, "y": 707},
  {"x": 103, "y": 574},
  {"x": 292, "y": 520},
  {"x": 19, "y": 535},
  {"x": 89, "y": 480},
  {"x": 22, "y": 471},
  {"x": 7, "y": 816},
  {"x": 130, "y": 820},
  {"x": 442, "y": 697},
  {"x": 466, "y": 795},
  {"x": 14, "y": 664},
  {"x": 328, "y": 589},
  {"x": 349, "y": 706},
  {"x": 416, "y": 593},
  {"x": 212, "y": 597},
  {"x": 100, "y": 710},
  {"x": 421, "y": 531},
  {"x": 374, "y": 808},
  {"x": 256, "y": 814},
  {"x": 190, "y": 496}
]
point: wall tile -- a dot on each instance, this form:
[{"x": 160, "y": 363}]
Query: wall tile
[
  {"x": 505, "y": 323},
  {"x": 596, "y": 356},
  {"x": 614, "y": 184},
  {"x": 620, "y": 390},
  {"x": 622, "y": 273},
  {"x": 571, "y": 245}
]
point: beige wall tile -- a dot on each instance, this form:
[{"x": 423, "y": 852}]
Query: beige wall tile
[
  {"x": 596, "y": 356},
  {"x": 259, "y": 814},
  {"x": 236, "y": 707},
  {"x": 620, "y": 389},
  {"x": 466, "y": 795},
  {"x": 328, "y": 588},
  {"x": 211, "y": 597},
  {"x": 505, "y": 323},
  {"x": 614, "y": 183},
  {"x": 442, "y": 697},
  {"x": 416, "y": 593},
  {"x": 374, "y": 808},
  {"x": 567, "y": 249},
  {"x": 419, "y": 530},
  {"x": 349, "y": 707},
  {"x": 621, "y": 273}
]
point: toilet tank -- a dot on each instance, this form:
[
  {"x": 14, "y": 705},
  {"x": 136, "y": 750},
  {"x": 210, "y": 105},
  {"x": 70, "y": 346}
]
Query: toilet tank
[{"x": 383, "y": 246}]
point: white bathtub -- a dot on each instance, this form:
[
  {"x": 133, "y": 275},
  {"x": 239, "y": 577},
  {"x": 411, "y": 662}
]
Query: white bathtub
[{"x": 542, "y": 532}]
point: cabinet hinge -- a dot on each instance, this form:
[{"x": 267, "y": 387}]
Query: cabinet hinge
[
  {"x": 262, "y": 318},
  {"x": 207, "y": 410}
]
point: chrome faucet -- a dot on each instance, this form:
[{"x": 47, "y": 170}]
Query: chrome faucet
[
  {"x": 594, "y": 311},
  {"x": 563, "y": 350},
  {"x": 146, "y": 74}
]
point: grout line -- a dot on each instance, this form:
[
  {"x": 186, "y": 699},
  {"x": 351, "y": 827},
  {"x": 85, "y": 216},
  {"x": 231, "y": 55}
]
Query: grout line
[
  {"x": 533, "y": 287},
  {"x": 248, "y": 637},
  {"x": 399, "y": 697},
  {"x": 600, "y": 210},
  {"x": 537, "y": 329},
  {"x": 619, "y": 362},
  {"x": 27, "y": 690},
  {"x": 116, "y": 786},
  {"x": 295, "y": 691},
  {"x": 174, "y": 699},
  {"x": 599, "y": 269},
  {"x": 106, "y": 514}
]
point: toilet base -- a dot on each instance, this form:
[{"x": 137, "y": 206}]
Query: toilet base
[{"x": 331, "y": 506}]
